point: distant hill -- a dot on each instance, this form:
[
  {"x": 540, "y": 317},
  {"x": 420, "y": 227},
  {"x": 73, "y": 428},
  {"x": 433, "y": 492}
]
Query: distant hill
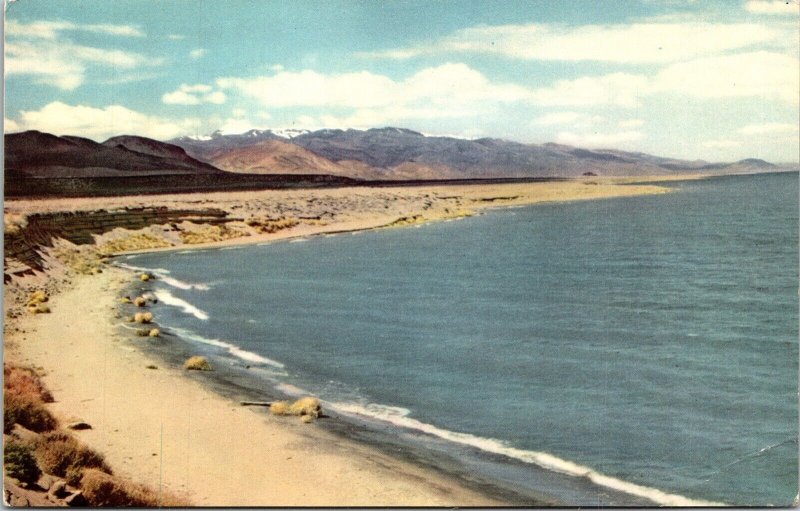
[
  {"x": 40, "y": 155},
  {"x": 270, "y": 156},
  {"x": 396, "y": 153}
]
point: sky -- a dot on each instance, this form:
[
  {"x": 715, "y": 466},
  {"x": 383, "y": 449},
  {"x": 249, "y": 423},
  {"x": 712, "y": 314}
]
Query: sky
[{"x": 713, "y": 80}]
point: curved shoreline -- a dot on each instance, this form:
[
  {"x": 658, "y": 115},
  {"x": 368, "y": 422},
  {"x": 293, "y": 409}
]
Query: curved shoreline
[{"x": 78, "y": 339}]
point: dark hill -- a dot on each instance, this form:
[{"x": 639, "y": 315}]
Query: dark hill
[{"x": 37, "y": 154}]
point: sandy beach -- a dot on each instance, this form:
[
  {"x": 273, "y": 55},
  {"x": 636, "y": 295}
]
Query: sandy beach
[{"x": 167, "y": 430}]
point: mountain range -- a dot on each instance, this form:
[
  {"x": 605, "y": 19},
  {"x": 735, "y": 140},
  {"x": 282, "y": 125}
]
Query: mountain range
[
  {"x": 396, "y": 153},
  {"x": 373, "y": 154}
]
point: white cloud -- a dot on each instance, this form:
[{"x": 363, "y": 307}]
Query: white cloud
[
  {"x": 757, "y": 74},
  {"x": 598, "y": 140},
  {"x": 193, "y": 95},
  {"x": 770, "y": 128},
  {"x": 197, "y": 53},
  {"x": 101, "y": 123},
  {"x": 446, "y": 90},
  {"x": 720, "y": 144},
  {"x": 635, "y": 43},
  {"x": 630, "y": 123},
  {"x": 37, "y": 50},
  {"x": 10, "y": 125},
  {"x": 119, "y": 30},
  {"x": 766, "y": 75},
  {"x": 789, "y": 7},
  {"x": 51, "y": 29},
  {"x": 619, "y": 89},
  {"x": 574, "y": 119}
]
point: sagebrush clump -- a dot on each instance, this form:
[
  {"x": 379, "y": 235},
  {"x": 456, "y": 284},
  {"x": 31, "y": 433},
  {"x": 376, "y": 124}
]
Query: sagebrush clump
[
  {"x": 102, "y": 489},
  {"x": 308, "y": 408},
  {"x": 269, "y": 225},
  {"x": 143, "y": 317},
  {"x": 39, "y": 308},
  {"x": 24, "y": 396},
  {"x": 197, "y": 363},
  {"x": 57, "y": 452}
]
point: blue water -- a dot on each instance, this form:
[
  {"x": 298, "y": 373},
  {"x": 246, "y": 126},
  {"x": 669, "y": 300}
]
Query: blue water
[{"x": 651, "y": 339}]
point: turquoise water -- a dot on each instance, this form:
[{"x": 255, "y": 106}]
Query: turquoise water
[{"x": 653, "y": 340}]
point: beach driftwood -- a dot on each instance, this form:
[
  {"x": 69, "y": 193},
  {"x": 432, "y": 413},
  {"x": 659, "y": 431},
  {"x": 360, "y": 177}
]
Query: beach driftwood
[{"x": 255, "y": 403}]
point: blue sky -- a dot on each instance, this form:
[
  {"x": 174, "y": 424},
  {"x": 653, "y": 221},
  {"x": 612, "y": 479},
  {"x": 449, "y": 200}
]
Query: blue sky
[{"x": 710, "y": 80}]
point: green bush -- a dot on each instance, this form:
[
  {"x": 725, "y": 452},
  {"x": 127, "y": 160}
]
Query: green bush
[{"x": 20, "y": 463}]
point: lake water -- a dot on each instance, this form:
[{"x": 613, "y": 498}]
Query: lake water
[{"x": 649, "y": 344}]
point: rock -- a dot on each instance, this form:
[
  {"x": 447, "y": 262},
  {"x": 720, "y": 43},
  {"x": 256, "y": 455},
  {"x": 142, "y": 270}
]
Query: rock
[
  {"x": 79, "y": 426},
  {"x": 58, "y": 489},
  {"x": 46, "y": 481},
  {"x": 76, "y": 500},
  {"x": 18, "y": 501},
  {"x": 24, "y": 434}
]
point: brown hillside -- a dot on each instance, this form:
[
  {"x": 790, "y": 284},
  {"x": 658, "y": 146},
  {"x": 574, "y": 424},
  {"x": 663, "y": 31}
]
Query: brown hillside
[{"x": 278, "y": 157}]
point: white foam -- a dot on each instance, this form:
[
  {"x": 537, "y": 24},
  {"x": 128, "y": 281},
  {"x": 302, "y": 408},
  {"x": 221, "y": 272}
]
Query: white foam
[
  {"x": 232, "y": 349},
  {"x": 399, "y": 417},
  {"x": 169, "y": 299},
  {"x": 163, "y": 275},
  {"x": 181, "y": 284},
  {"x": 298, "y": 240},
  {"x": 290, "y": 390},
  {"x": 156, "y": 271}
]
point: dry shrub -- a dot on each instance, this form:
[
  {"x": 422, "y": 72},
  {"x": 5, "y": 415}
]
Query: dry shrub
[
  {"x": 142, "y": 332},
  {"x": 39, "y": 308},
  {"x": 154, "y": 332},
  {"x": 22, "y": 380},
  {"x": 133, "y": 242},
  {"x": 306, "y": 406},
  {"x": 101, "y": 489},
  {"x": 269, "y": 226},
  {"x": 303, "y": 407},
  {"x": 140, "y": 301},
  {"x": 144, "y": 277},
  {"x": 279, "y": 408},
  {"x": 407, "y": 220},
  {"x": 210, "y": 233},
  {"x": 58, "y": 452},
  {"x": 37, "y": 297},
  {"x": 197, "y": 363},
  {"x": 124, "y": 299},
  {"x": 13, "y": 223},
  {"x": 27, "y": 411},
  {"x": 143, "y": 317},
  {"x": 24, "y": 396},
  {"x": 84, "y": 259}
]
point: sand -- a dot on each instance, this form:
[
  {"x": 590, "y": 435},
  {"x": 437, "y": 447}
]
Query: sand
[{"x": 167, "y": 430}]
